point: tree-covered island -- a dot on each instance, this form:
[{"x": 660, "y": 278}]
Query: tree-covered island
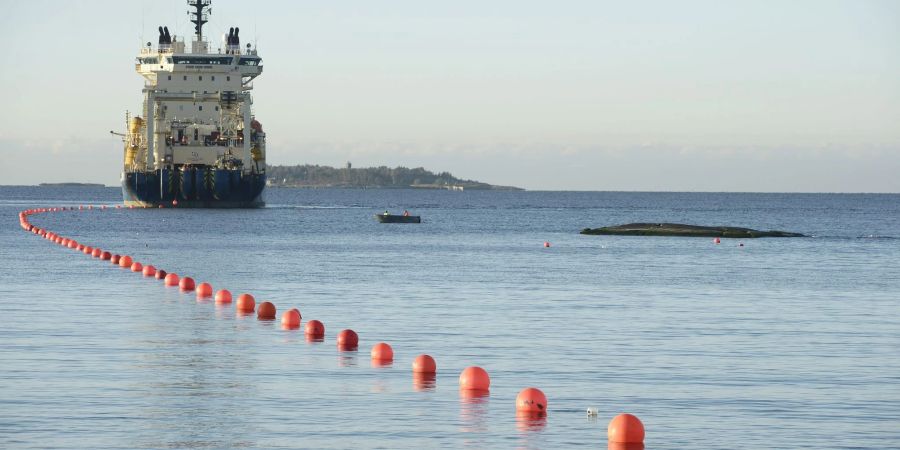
[{"x": 315, "y": 176}]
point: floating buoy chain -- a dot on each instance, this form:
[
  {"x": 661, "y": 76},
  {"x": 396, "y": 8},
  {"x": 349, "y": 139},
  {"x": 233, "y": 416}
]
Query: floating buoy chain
[{"x": 531, "y": 401}]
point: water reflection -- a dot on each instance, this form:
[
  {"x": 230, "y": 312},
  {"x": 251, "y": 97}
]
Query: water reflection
[
  {"x": 382, "y": 364},
  {"x": 310, "y": 339},
  {"x": 379, "y": 386},
  {"x": 625, "y": 446},
  {"x": 530, "y": 423},
  {"x": 347, "y": 359},
  {"x": 473, "y": 410},
  {"x": 424, "y": 382},
  {"x": 223, "y": 311}
]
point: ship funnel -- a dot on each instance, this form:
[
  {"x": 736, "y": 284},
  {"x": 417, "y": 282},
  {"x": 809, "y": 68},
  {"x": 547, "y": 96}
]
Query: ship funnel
[{"x": 233, "y": 41}]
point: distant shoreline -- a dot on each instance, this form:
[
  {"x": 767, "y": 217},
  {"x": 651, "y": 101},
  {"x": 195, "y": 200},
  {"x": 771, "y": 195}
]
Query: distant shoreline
[
  {"x": 71, "y": 185},
  {"x": 382, "y": 177},
  {"x": 462, "y": 187}
]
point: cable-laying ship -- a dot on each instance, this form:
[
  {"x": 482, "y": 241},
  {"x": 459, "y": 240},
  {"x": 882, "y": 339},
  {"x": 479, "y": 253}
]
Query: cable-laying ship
[{"x": 197, "y": 143}]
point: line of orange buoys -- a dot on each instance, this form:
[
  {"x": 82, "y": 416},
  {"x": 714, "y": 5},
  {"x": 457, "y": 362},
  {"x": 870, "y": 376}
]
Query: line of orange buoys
[{"x": 623, "y": 431}]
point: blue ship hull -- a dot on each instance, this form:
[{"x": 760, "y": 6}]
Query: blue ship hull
[{"x": 194, "y": 188}]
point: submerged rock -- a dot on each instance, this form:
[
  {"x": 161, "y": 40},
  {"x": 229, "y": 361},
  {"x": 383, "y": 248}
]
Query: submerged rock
[{"x": 678, "y": 229}]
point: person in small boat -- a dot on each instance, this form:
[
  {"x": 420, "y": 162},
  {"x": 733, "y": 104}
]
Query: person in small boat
[{"x": 405, "y": 213}]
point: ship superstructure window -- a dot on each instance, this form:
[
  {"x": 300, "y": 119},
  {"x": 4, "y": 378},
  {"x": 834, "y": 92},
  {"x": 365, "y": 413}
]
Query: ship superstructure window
[
  {"x": 202, "y": 60},
  {"x": 228, "y": 78},
  {"x": 250, "y": 61},
  {"x": 200, "y": 108},
  {"x": 200, "y": 78},
  {"x": 152, "y": 60},
  {"x": 170, "y": 77},
  {"x": 185, "y": 78},
  {"x": 213, "y": 77}
]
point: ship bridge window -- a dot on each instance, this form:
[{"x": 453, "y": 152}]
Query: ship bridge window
[
  {"x": 250, "y": 61},
  {"x": 153, "y": 60},
  {"x": 204, "y": 60}
]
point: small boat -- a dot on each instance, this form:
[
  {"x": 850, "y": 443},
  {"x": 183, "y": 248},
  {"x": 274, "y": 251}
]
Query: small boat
[{"x": 396, "y": 218}]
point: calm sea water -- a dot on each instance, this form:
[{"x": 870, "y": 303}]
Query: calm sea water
[{"x": 781, "y": 343}]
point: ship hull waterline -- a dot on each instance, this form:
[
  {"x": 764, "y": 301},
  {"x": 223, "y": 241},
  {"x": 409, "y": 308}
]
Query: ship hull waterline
[{"x": 194, "y": 188}]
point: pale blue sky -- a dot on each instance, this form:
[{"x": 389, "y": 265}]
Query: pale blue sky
[{"x": 587, "y": 95}]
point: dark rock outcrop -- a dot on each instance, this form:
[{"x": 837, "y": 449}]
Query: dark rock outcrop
[{"x": 677, "y": 229}]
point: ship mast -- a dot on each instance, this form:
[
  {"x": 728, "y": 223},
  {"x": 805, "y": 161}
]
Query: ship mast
[{"x": 200, "y": 16}]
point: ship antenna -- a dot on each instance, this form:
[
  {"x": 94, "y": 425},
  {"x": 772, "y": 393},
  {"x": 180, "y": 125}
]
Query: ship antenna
[{"x": 200, "y": 16}]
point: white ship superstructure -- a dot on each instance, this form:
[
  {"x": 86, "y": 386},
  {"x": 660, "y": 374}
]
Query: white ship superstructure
[{"x": 197, "y": 137}]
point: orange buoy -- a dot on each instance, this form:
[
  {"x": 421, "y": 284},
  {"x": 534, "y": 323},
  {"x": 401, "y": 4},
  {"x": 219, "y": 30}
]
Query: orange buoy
[
  {"x": 149, "y": 271},
  {"x": 204, "y": 290},
  {"x": 115, "y": 259},
  {"x": 532, "y": 401},
  {"x": 186, "y": 284},
  {"x": 290, "y": 320},
  {"x": 266, "y": 311},
  {"x": 175, "y": 202},
  {"x": 315, "y": 328},
  {"x": 171, "y": 279},
  {"x": 474, "y": 378},
  {"x": 223, "y": 296},
  {"x": 546, "y": 244},
  {"x": 81, "y": 247},
  {"x": 160, "y": 274},
  {"x": 347, "y": 340},
  {"x": 96, "y": 252},
  {"x": 125, "y": 261},
  {"x": 717, "y": 241},
  {"x": 105, "y": 256},
  {"x": 424, "y": 364},
  {"x": 162, "y": 206},
  {"x": 382, "y": 351},
  {"x": 136, "y": 267},
  {"x": 88, "y": 250},
  {"x": 246, "y": 303},
  {"x": 625, "y": 428},
  {"x": 73, "y": 244}
]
